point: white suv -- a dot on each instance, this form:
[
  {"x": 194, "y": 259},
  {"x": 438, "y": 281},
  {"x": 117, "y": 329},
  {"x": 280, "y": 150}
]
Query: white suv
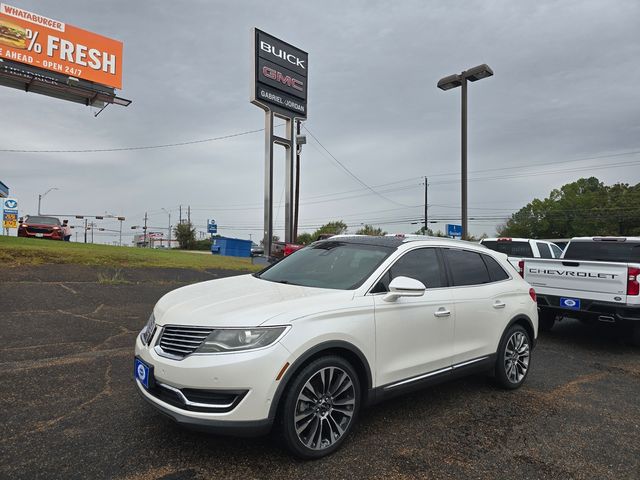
[{"x": 338, "y": 325}]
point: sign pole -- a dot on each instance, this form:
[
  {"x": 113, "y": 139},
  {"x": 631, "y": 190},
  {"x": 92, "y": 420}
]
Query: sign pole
[
  {"x": 288, "y": 220},
  {"x": 268, "y": 183}
]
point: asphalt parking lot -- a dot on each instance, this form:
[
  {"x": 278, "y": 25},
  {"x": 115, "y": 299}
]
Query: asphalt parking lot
[{"x": 69, "y": 407}]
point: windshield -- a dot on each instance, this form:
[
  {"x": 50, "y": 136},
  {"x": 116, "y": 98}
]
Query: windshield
[
  {"x": 512, "y": 249},
  {"x": 328, "y": 264},
  {"x": 42, "y": 220},
  {"x": 604, "y": 251}
]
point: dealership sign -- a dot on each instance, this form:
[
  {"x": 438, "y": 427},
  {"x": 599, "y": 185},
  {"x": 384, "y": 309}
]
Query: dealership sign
[
  {"x": 49, "y": 44},
  {"x": 280, "y": 74}
]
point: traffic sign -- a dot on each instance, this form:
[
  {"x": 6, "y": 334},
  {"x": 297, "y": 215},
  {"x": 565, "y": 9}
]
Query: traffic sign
[{"x": 454, "y": 230}]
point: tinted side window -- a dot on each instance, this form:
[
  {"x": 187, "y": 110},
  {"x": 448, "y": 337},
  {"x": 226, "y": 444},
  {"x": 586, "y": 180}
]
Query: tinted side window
[
  {"x": 496, "y": 272},
  {"x": 557, "y": 251},
  {"x": 512, "y": 249},
  {"x": 467, "y": 268},
  {"x": 544, "y": 250},
  {"x": 419, "y": 264}
]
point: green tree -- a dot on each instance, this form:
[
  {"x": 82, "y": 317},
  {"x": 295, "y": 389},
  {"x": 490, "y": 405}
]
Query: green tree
[
  {"x": 585, "y": 207},
  {"x": 430, "y": 232},
  {"x": 185, "y": 233},
  {"x": 304, "y": 239},
  {"x": 334, "y": 228},
  {"x": 371, "y": 230}
]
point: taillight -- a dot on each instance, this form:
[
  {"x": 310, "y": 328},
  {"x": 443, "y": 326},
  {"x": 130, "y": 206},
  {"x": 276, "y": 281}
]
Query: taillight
[
  {"x": 532, "y": 294},
  {"x": 633, "y": 286},
  {"x": 521, "y": 268}
]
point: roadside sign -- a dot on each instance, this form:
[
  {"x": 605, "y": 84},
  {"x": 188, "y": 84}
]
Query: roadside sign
[
  {"x": 212, "y": 227},
  {"x": 280, "y": 71},
  {"x": 9, "y": 213},
  {"x": 454, "y": 230}
]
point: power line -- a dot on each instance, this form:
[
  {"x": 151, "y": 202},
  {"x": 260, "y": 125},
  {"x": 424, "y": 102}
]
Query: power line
[
  {"x": 145, "y": 147},
  {"x": 349, "y": 172}
]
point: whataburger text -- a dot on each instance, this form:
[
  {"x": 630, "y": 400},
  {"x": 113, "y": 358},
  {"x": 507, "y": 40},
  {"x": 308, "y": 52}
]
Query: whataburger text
[{"x": 52, "y": 45}]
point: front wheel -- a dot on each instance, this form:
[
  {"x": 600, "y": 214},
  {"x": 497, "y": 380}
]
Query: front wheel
[
  {"x": 321, "y": 407},
  {"x": 514, "y": 356}
]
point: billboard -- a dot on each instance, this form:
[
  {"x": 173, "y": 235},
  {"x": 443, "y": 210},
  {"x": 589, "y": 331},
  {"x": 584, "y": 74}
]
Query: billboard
[
  {"x": 49, "y": 44},
  {"x": 280, "y": 74}
]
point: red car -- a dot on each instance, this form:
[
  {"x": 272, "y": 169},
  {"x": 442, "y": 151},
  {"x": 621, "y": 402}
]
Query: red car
[{"x": 41, "y": 227}]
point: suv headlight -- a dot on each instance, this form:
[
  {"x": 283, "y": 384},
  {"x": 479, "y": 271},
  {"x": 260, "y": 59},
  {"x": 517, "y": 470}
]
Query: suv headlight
[
  {"x": 238, "y": 339},
  {"x": 148, "y": 330}
]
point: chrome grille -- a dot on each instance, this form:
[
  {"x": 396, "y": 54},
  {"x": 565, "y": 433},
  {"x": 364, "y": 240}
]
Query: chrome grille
[{"x": 181, "y": 341}]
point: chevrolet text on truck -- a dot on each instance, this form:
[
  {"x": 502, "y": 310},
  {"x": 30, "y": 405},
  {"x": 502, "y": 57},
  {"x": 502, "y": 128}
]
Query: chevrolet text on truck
[{"x": 596, "y": 280}]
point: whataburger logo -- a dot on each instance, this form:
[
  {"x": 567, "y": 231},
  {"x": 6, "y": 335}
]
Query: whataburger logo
[
  {"x": 278, "y": 52},
  {"x": 31, "y": 17}
]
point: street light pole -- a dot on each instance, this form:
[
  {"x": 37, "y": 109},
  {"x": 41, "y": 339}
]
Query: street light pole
[
  {"x": 463, "y": 156},
  {"x": 460, "y": 80},
  {"x": 41, "y": 196},
  {"x": 168, "y": 213}
]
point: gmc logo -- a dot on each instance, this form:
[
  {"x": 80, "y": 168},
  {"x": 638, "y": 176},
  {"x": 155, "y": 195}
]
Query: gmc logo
[{"x": 273, "y": 74}]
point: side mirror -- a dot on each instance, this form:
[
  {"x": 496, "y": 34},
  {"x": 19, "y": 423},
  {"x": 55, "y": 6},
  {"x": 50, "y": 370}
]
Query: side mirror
[{"x": 404, "y": 287}]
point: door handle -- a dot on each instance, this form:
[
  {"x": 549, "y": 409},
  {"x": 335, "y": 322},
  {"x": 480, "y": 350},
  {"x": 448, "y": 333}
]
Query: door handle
[
  {"x": 442, "y": 312},
  {"x": 499, "y": 304}
]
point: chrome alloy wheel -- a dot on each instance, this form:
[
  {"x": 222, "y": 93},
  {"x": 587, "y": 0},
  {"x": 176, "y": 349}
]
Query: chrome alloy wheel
[
  {"x": 516, "y": 357},
  {"x": 324, "y": 408}
]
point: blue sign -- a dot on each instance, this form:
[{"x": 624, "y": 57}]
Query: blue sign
[
  {"x": 212, "y": 227},
  {"x": 10, "y": 204},
  {"x": 572, "y": 303},
  {"x": 454, "y": 230}
]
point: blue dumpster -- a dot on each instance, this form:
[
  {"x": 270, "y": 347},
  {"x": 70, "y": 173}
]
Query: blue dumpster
[{"x": 231, "y": 247}]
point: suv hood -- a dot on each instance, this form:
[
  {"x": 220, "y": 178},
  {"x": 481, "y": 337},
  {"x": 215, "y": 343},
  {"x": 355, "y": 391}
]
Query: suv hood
[{"x": 242, "y": 301}]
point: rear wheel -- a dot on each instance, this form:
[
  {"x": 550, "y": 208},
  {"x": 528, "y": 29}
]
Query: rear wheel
[
  {"x": 321, "y": 407},
  {"x": 514, "y": 357}
]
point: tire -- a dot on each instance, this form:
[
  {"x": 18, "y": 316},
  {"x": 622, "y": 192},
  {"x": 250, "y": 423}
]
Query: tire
[
  {"x": 313, "y": 423},
  {"x": 513, "y": 361},
  {"x": 546, "y": 321}
]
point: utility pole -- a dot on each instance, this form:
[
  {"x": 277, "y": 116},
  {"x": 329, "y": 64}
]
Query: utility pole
[
  {"x": 189, "y": 214},
  {"x": 426, "y": 186},
  {"x": 92, "y": 225},
  {"x": 146, "y": 239},
  {"x": 297, "y": 189},
  {"x": 85, "y": 230},
  {"x": 180, "y": 214}
]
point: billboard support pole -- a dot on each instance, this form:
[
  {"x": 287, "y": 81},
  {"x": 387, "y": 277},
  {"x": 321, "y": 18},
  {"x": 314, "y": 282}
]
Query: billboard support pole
[{"x": 268, "y": 183}]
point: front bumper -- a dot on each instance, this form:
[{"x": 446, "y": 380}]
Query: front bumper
[
  {"x": 249, "y": 376},
  {"x": 52, "y": 235},
  {"x": 592, "y": 310}
]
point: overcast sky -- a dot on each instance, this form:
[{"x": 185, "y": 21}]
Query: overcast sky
[{"x": 565, "y": 90}]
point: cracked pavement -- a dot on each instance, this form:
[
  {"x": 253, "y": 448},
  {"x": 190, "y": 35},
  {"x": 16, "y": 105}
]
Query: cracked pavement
[{"x": 69, "y": 409}]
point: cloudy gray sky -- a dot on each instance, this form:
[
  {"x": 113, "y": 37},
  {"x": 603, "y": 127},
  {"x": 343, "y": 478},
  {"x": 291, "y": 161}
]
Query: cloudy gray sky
[{"x": 565, "y": 91}]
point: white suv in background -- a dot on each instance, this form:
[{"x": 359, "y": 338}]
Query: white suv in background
[
  {"x": 338, "y": 325},
  {"x": 518, "y": 249}
]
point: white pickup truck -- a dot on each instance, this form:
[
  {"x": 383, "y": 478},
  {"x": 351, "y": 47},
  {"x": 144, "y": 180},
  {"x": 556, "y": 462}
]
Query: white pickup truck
[
  {"x": 596, "y": 280},
  {"x": 517, "y": 249}
]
